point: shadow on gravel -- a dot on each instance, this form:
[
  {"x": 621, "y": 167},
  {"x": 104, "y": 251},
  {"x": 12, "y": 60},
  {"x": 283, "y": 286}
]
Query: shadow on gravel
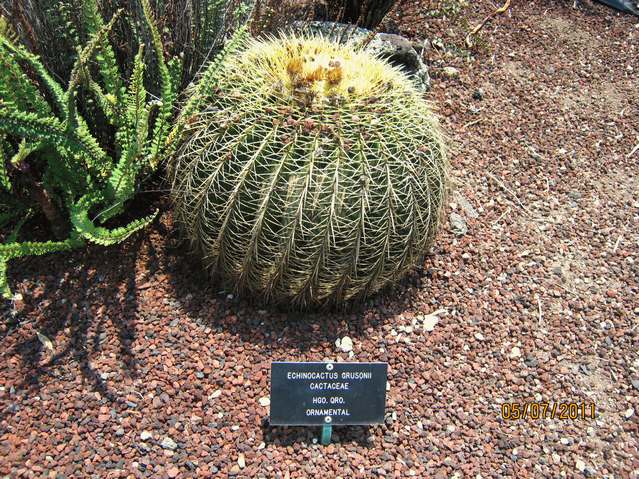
[
  {"x": 76, "y": 307},
  {"x": 275, "y": 328}
]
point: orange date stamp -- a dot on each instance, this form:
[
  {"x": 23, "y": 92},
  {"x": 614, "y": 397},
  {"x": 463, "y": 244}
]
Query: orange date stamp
[{"x": 512, "y": 411}]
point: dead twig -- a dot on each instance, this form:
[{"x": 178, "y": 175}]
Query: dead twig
[
  {"x": 614, "y": 249},
  {"x": 502, "y": 216},
  {"x": 477, "y": 29},
  {"x": 633, "y": 151},
  {"x": 508, "y": 190},
  {"x": 471, "y": 123}
]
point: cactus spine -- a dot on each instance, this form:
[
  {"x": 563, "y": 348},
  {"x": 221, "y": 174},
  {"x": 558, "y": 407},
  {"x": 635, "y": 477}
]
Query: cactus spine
[{"x": 310, "y": 173}]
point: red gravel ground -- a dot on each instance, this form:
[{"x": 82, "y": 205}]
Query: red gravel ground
[{"x": 153, "y": 373}]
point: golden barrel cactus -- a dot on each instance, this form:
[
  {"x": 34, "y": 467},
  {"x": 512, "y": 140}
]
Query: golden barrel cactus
[{"x": 310, "y": 173}]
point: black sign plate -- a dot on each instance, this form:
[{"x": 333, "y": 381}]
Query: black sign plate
[{"x": 310, "y": 394}]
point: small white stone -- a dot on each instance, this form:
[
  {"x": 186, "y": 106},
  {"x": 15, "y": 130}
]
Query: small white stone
[
  {"x": 450, "y": 72},
  {"x": 580, "y": 465},
  {"x": 241, "y": 461},
  {"x": 265, "y": 401},
  {"x": 168, "y": 443},
  {"x": 387, "y": 386},
  {"x": 146, "y": 435},
  {"x": 515, "y": 353},
  {"x": 346, "y": 344},
  {"x": 556, "y": 458},
  {"x": 479, "y": 336},
  {"x": 430, "y": 322},
  {"x": 629, "y": 413},
  {"x": 261, "y": 446}
]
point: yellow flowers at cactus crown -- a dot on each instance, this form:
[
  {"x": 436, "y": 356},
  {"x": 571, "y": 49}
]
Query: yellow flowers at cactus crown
[{"x": 314, "y": 70}]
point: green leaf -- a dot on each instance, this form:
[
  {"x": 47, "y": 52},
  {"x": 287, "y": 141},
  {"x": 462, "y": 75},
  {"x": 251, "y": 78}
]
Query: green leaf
[
  {"x": 84, "y": 56},
  {"x": 5, "y": 182},
  {"x": 24, "y": 150},
  {"x": 5, "y": 291},
  {"x": 12, "y": 249},
  {"x": 107, "y": 64},
  {"x": 132, "y": 135},
  {"x": 168, "y": 94},
  {"x": 62, "y": 175},
  {"x": 53, "y": 87},
  {"x": 50, "y": 130},
  {"x": 106, "y": 102},
  {"x": 17, "y": 250},
  {"x": 17, "y": 88},
  {"x": 97, "y": 234}
]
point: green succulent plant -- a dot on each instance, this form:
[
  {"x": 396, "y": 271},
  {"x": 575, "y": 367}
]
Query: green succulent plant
[
  {"x": 308, "y": 173},
  {"x": 52, "y": 161}
]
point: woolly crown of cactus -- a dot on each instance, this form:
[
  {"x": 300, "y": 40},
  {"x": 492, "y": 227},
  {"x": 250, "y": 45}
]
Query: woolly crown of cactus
[{"x": 309, "y": 173}]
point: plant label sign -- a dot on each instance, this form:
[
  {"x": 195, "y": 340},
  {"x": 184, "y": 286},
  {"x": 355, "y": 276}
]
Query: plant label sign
[{"x": 313, "y": 394}]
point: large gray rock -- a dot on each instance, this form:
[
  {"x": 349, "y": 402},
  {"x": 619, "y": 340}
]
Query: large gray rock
[{"x": 396, "y": 49}]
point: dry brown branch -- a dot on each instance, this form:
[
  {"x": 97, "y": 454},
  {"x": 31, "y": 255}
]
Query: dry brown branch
[{"x": 477, "y": 29}]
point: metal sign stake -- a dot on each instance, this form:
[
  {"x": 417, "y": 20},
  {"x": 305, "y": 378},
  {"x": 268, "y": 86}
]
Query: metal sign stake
[{"x": 327, "y": 430}]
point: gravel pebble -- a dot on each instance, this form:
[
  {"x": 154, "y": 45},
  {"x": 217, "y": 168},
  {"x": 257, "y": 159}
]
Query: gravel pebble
[
  {"x": 580, "y": 465},
  {"x": 458, "y": 224},
  {"x": 344, "y": 344},
  {"x": 515, "y": 353},
  {"x": 450, "y": 72},
  {"x": 173, "y": 472},
  {"x": 168, "y": 443}
]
